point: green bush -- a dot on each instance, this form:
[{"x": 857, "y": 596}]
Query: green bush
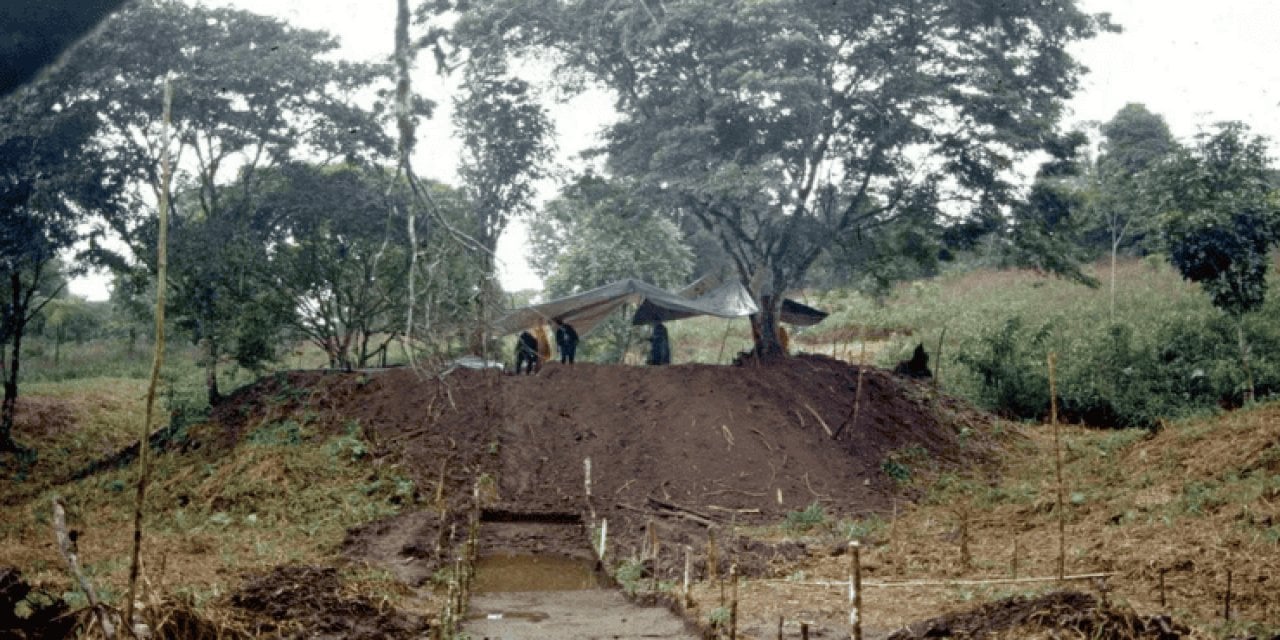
[{"x": 1010, "y": 363}]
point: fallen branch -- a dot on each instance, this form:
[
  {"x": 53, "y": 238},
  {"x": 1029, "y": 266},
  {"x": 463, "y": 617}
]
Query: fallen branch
[
  {"x": 675, "y": 508},
  {"x": 729, "y": 510},
  {"x": 67, "y": 545},
  {"x": 820, "y": 421},
  {"x": 706, "y": 522}
]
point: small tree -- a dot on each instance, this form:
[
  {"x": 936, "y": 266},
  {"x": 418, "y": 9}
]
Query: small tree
[
  {"x": 49, "y": 191},
  {"x": 1221, "y": 218}
]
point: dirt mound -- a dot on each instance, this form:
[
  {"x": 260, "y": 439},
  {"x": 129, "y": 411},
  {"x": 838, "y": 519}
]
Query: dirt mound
[
  {"x": 309, "y": 602},
  {"x": 1021, "y": 617},
  {"x": 687, "y": 447}
]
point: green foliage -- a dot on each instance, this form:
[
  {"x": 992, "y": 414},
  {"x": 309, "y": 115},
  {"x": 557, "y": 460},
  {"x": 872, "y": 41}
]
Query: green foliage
[
  {"x": 742, "y": 115},
  {"x": 808, "y": 518},
  {"x": 1222, "y": 216},
  {"x": 1010, "y": 362},
  {"x": 629, "y": 575}
]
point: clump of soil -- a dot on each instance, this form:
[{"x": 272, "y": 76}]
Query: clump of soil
[
  {"x": 309, "y": 602},
  {"x": 1021, "y": 617},
  {"x": 43, "y": 615}
]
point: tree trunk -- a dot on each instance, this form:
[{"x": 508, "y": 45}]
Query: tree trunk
[
  {"x": 1244, "y": 359},
  {"x": 9, "y": 410},
  {"x": 764, "y": 330},
  {"x": 1115, "y": 246},
  {"x": 57, "y": 346},
  {"x": 211, "y": 370}
]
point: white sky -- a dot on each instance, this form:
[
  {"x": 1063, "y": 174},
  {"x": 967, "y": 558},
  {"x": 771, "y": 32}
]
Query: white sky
[{"x": 1195, "y": 62}]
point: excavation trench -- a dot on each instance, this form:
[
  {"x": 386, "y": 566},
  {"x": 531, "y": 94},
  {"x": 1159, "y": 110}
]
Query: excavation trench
[{"x": 536, "y": 578}]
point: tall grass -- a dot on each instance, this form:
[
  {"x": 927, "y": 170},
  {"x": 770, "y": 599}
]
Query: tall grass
[{"x": 1167, "y": 352}]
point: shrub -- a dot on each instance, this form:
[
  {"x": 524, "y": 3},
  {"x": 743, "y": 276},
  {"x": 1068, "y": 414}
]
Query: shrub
[{"x": 1010, "y": 364}]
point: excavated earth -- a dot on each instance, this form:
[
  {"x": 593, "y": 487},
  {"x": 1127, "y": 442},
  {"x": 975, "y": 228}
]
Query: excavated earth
[{"x": 678, "y": 454}]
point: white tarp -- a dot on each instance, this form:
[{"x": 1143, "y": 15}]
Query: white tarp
[{"x": 587, "y": 309}]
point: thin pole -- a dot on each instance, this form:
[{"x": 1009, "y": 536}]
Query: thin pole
[
  {"x": 162, "y": 260},
  {"x": 1057, "y": 450},
  {"x": 855, "y": 590}
]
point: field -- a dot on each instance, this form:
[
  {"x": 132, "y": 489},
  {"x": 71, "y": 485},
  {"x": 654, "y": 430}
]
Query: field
[{"x": 336, "y": 489}]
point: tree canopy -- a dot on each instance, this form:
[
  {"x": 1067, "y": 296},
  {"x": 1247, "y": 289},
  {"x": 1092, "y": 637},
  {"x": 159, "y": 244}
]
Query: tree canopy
[{"x": 780, "y": 125}]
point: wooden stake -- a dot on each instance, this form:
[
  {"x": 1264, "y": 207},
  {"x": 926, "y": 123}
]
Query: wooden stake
[
  {"x": 1226, "y": 606},
  {"x": 67, "y": 546},
  {"x": 586, "y": 472},
  {"x": 604, "y": 536},
  {"x": 733, "y": 604},
  {"x": 1163, "y": 603},
  {"x": 966, "y": 561},
  {"x": 162, "y": 275},
  {"x": 779, "y": 627},
  {"x": 688, "y": 551},
  {"x": 1057, "y": 449},
  {"x": 654, "y": 555},
  {"x": 1014, "y": 563},
  {"x": 712, "y": 560},
  {"x": 855, "y": 590},
  {"x": 804, "y": 631},
  {"x": 852, "y": 418}
]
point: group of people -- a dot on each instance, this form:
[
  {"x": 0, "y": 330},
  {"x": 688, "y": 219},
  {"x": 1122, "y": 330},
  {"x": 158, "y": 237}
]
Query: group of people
[
  {"x": 529, "y": 353},
  {"x": 530, "y": 350}
]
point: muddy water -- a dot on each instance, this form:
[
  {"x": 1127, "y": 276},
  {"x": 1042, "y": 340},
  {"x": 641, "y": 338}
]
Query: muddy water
[
  {"x": 536, "y": 580},
  {"x": 521, "y": 572}
]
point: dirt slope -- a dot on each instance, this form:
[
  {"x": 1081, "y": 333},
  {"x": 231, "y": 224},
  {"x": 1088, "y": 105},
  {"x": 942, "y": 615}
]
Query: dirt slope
[{"x": 683, "y": 446}]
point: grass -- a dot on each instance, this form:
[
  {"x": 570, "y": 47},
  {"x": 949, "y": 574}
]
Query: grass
[
  {"x": 286, "y": 495},
  {"x": 1196, "y": 499}
]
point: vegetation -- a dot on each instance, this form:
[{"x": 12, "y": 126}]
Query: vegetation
[{"x": 771, "y": 125}]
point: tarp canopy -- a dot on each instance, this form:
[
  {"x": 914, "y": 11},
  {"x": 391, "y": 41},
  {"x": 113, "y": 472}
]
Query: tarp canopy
[
  {"x": 587, "y": 309},
  {"x": 801, "y": 315}
]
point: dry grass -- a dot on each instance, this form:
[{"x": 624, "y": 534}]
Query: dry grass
[{"x": 1191, "y": 502}]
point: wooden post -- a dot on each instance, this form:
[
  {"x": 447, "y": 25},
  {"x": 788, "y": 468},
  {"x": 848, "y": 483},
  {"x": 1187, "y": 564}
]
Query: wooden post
[
  {"x": 67, "y": 546},
  {"x": 1226, "y": 606},
  {"x": 1163, "y": 603},
  {"x": 144, "y": 446},
  {"x": 654, "y": 555},
  {"x": 687, "y": 552},
  {"x": 852, "y": 418},
  {"x": 855, "y": 590},
  {"x": 733, "y": 604},
  {"x": 965, "y": 560},
  {"x": 604, "y": 535},
  {"x": 712, "y": 560},
  {"x": 1014, "y": 563},
  {"x": 1057, "y": 449},
  {"x": 779, "y": 627},
  {"x": 804, "y": 631}
]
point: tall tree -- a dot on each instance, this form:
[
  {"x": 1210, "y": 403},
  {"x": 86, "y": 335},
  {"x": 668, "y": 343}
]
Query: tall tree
[
  {"x": 1221, "y": 219},
  {"x": 1133, "y": 141},
  {"x": 50, "y": 189},
  {"x": 250, "y": 92},
  {"x": 783, "y": 124},
  {"x": 505, "y": 135},
  {"x": 337, "y": 262}
]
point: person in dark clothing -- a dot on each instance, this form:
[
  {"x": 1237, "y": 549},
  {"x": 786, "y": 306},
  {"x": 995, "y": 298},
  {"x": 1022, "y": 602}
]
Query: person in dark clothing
[
  {"x": 659, "y": 347},
  {"x": 526, "y": 352},
  {"x": 567, "y": 342}
]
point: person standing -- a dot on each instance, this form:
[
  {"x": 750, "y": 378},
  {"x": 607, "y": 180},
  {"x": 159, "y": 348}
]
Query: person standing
[
  {"x": 566, "y": 341},
  {"x": 526, "y": 352},
  {"x": 659, "y": 347}
]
